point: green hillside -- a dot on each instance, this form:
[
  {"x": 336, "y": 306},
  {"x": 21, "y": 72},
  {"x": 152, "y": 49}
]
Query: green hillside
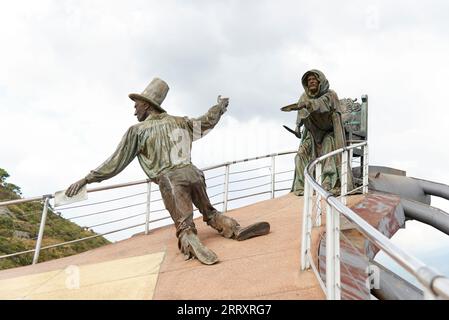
[{"x": 19, "y": 227}]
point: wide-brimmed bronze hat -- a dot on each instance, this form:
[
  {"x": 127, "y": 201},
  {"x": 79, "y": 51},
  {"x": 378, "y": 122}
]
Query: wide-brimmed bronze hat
[{"x": 154, "y": 93}]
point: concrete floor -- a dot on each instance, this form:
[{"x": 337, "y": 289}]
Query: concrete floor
[{"x": 151, "y": 267}]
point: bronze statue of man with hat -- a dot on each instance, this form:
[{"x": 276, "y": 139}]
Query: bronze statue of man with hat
[
  {"x": 162, "y": 144},
  {"x": 320, "y": 126}
]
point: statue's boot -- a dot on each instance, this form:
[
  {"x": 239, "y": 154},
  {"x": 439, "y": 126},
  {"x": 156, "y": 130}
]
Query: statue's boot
[
  {"x": 191, "y": 246},
  {"x": 253, "y": 230},
  {"x": 230, "y": 228}
]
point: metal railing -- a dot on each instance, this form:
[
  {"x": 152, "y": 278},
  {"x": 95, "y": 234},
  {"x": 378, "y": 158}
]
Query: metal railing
[
  {"x": 435, "y": 285},
  {"x": 229, "y": 194}
]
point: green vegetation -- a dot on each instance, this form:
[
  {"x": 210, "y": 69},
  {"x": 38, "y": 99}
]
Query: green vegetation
[{"x": 19, "y": 227}]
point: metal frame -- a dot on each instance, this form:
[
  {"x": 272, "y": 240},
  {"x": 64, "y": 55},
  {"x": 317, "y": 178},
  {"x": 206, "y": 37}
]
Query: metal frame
[
  {"x": 147, "y": 220},
  {"x": 41, "y": 231}
]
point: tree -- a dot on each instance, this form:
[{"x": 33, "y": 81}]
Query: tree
[{"x": 8, "y": 186}]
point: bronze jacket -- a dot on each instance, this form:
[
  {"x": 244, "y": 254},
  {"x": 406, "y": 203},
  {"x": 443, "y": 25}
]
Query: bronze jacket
[{"x": 161, "y": 143}]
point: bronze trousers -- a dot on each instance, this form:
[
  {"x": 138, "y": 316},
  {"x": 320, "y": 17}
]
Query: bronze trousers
[{"x": 179, "y": 189}]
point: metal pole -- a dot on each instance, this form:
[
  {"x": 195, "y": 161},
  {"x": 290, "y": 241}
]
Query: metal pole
[
  {"x": 337, "y": 274},
  {"x": 226, "y": 188},
  {"x": 318, "y": 178},
  {"x": 330, "y": 266},
  {"x": 306, "y": 228},
  {"x": 273, "y": 175},
  {"x": 41, "y": 231},
  {"x": 428, "y": 294},
  {"x": 309, "y": 220},
  {"x": 351, "y": 157},
  {"x": 440, "y": 286},
  {"x": 332, "y": 254},
  {"x": 344, "y": 176},
  {"x": 365, "y": 169},
  {"x": 147, "y": 220}
]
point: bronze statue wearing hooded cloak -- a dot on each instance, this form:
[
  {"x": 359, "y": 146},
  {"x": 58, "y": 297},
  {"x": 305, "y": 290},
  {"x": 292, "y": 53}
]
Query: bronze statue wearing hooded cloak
[{"x": 320, "y": 126}]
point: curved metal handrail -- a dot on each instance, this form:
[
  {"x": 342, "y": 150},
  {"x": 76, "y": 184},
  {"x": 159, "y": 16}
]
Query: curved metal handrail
[{"x": 429, "y": 278}]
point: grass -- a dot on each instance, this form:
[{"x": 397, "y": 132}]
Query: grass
[{"x": 19, "y": 227}]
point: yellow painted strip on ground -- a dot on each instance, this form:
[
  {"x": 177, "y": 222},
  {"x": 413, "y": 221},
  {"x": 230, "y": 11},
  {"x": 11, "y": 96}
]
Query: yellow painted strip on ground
[{"x": 129, "y": 278}]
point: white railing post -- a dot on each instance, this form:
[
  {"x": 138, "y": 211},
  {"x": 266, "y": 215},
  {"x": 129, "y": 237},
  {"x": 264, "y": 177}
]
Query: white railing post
[
  {"x": 226, "y": 188},
  {"x": 306, "y": 226},
  {"x": 147, "y": 219},
  {"x": 319, "y": 180},
  {"x": 344, "y": 176},
  {"x": 333, "y": 282},
  {"x": 351, "y": 157},
  {"x": 41, "y": 231},
  {"x": 365, "y": 169},
  {"x": 273, "y": 175}
]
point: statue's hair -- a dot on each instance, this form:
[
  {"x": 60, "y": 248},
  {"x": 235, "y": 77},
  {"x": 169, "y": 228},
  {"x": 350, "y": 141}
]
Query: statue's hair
[{"x": 151, "y": 106}]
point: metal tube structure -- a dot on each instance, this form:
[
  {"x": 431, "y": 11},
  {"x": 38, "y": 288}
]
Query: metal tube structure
[
  {"x": 41, "y": 231},
  {"x": 226, "y": 188},
  {"x": 319, "y": 179},
  {"x": 147, "y": 220},
  {"x": 20, "y": 201},
  {"x": 305, "y": 241},
  {"x": 365, "y": 169},
  {"x": 332, "y": 254},
  {"x": 273, "y": 175},
  {"x": 344, "y": 176}
]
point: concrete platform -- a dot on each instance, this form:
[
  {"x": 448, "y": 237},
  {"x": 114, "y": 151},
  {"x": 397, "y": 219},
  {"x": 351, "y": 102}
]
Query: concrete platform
[{"x": 151, "y": 267}]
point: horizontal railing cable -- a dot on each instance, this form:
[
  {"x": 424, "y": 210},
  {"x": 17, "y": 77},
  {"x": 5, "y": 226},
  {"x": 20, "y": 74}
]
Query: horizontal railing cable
[
  {"x": 249, "y": 170},
  {"x": 248, "y": 179},
  {"x": 284, "y": 189},
  {"x": 250, "y": 195},
  {"x": 249, "y": 188},
  {"x": 72, "y": 241},
  {"x": 217, "y": 194},
  {"x": 137, "y": 215},
  {"x": 100, "y": 202},
  {"x": 287, "y": 171},
  {"x": 106, "y": 211},
  {"x": 216, "y": 185},
  {"x": 213, "y": 177},
  {"x": 285, "y": 180},
  {"x": 117, "y": 220}
]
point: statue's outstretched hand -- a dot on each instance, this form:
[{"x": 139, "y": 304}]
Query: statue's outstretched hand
[
  {"x": 223, "y": 102},
  {"x": 75, "y": 187}
]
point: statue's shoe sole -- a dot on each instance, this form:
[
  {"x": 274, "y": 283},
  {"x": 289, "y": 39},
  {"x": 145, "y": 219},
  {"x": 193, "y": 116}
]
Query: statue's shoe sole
[
  {"x": 202, "y": 253},
  {"x": 254, "y": 230}
]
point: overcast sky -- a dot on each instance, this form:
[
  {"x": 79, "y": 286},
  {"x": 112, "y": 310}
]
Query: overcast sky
[{"x": 67, "y": 68}]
